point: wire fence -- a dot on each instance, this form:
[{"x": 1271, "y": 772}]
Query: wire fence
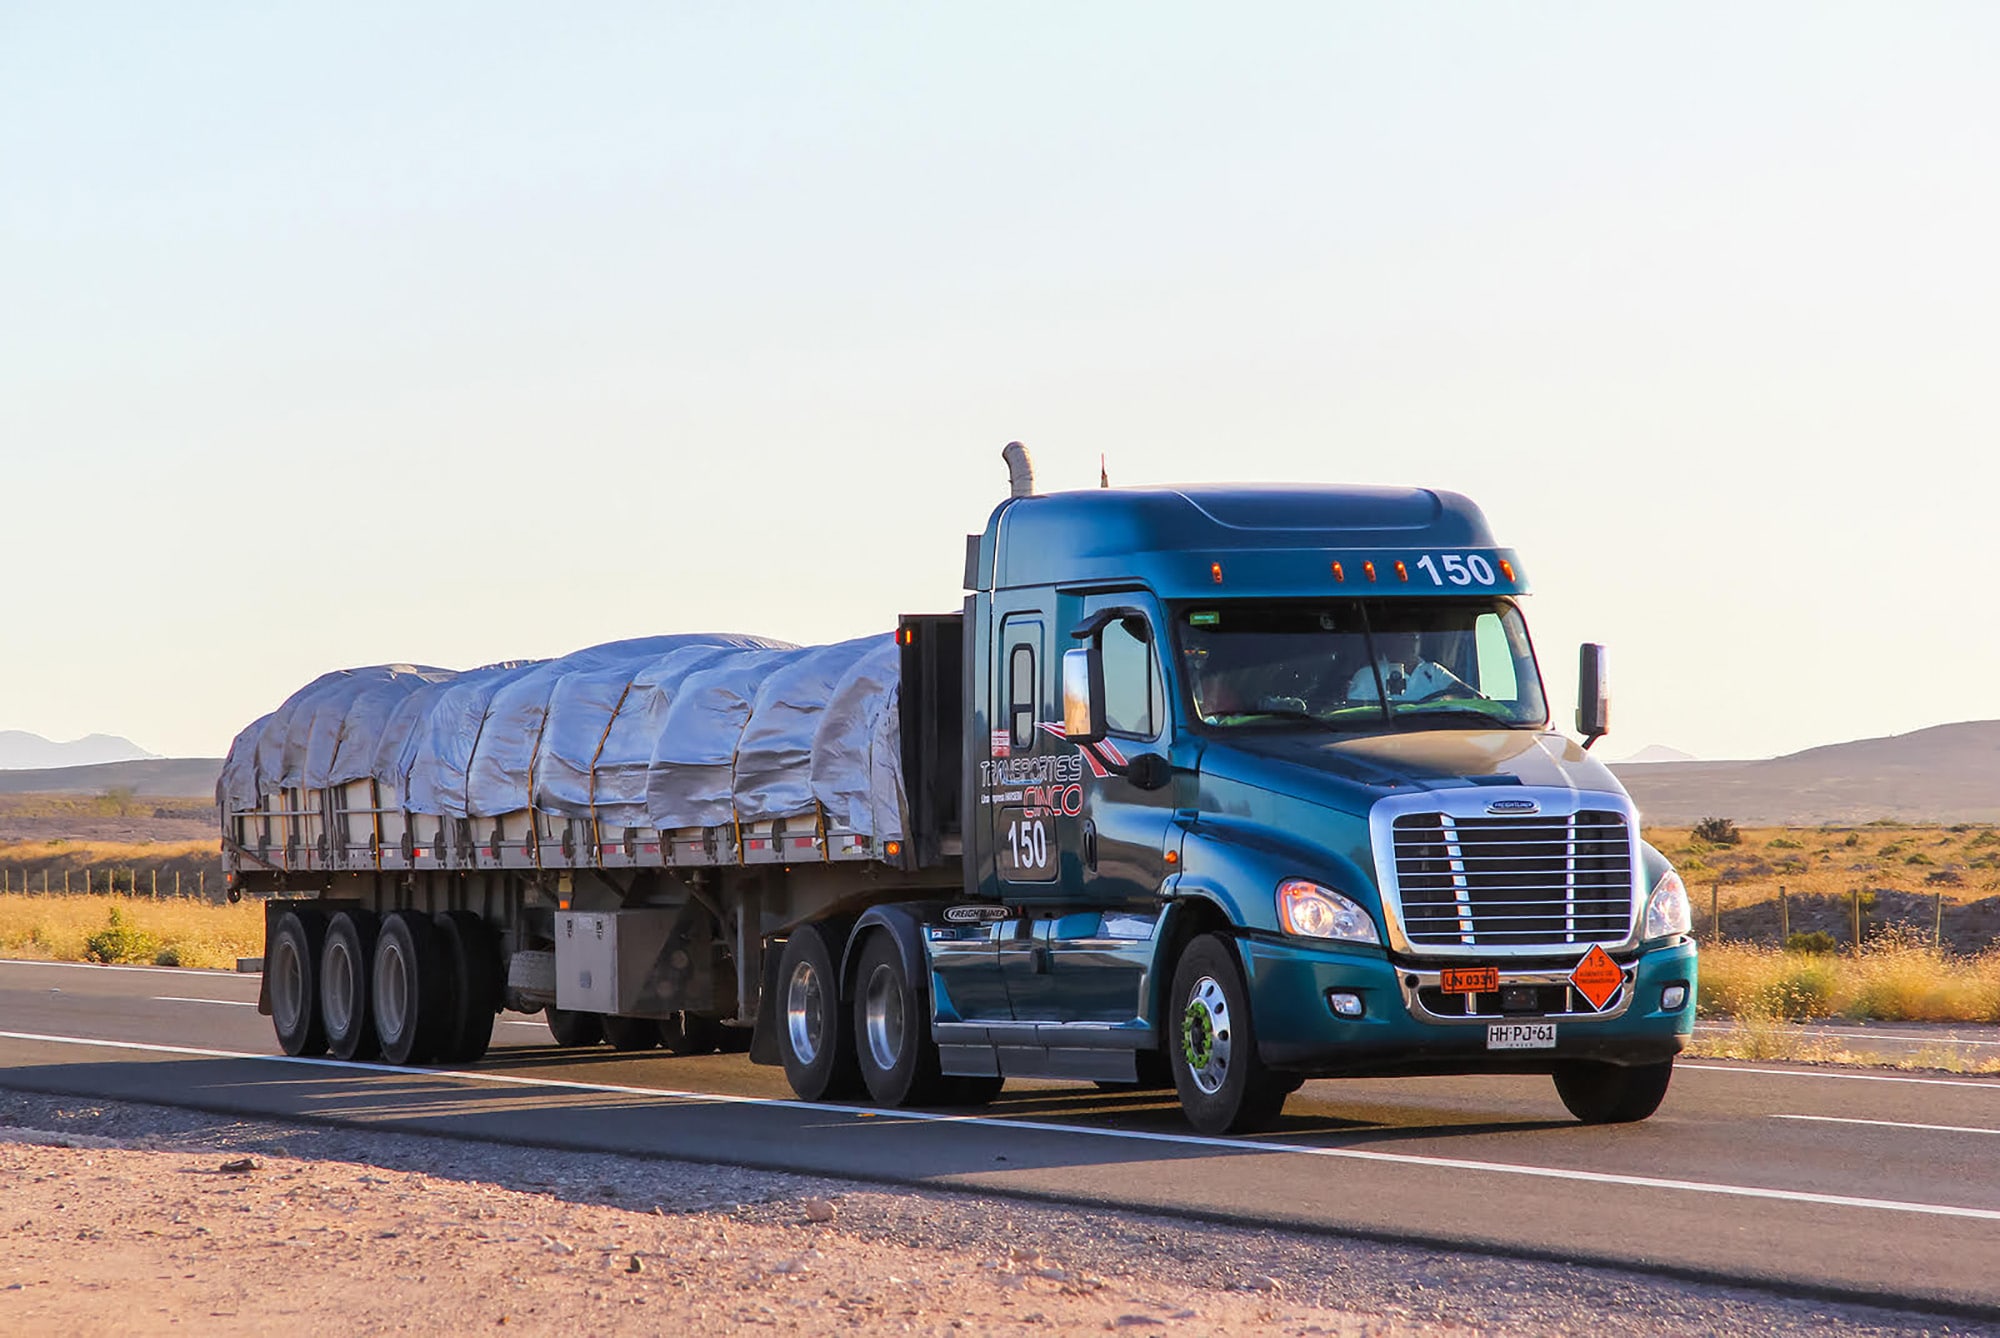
[{"x": 106, "y": 881}]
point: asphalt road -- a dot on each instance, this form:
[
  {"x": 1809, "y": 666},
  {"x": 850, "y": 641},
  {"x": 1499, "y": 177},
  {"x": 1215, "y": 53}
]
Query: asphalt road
[{"x": 1864, "y": 1185}]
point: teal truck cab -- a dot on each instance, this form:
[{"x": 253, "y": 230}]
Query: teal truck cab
[{"x": 1259, "y": 786}]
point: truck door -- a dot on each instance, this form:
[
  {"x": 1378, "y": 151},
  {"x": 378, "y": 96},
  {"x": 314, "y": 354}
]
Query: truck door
[{"x": 1102, "y": 951}]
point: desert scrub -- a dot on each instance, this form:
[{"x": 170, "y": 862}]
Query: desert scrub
[
  {"x": 184, "y": 932},
  {"x": 1897, "y": 979},
  {"x": 120, "y": 942}
]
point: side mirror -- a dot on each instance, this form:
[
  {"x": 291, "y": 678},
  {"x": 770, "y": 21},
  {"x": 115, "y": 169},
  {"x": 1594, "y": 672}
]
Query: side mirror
[
  {"x": 1593, "y": 694},
  {"x": 1083, "y": 696}
]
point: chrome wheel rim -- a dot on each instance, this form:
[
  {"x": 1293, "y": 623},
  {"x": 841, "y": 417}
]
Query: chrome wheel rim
[
  {"x": 337, "y": 987},
  {"x": 392, "y": 988},
  {"x": 805, "y": 1013},
  {"x": 1206, "y": 1035},
  {"x": 288, "y": 985},
  {"x": 882, "y": 1012}
]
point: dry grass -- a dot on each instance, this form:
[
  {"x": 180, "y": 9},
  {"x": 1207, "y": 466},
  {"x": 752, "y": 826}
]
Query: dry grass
[
  {"x": 1894, "y": 980},
  {"x": 1961, "y": 861},
  {"x": 1762, "y": 1039},
  {"x": 172, "y": 931}
]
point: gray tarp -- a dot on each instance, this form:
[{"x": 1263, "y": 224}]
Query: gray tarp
[{"x": 670, "y": 731}]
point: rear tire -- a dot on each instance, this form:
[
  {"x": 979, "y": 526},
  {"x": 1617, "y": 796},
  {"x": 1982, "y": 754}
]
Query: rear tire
[
  {"x": 690, "y": 1034},
  {"x": 573, "y": 1029},
  {"x": 1599, "y": 1093},
  {"x": 346, "y": 961},
  {"x": 631, "y": 1033},
  {"x": 408, "y": 992},
  {"x": 892, "y": 1029},
  {"x": 815, "y": 1038},
  {"x": 472, "y": 965},
  {"x": 1224, "y": 1086},
  {"x": 291, "y": 976}
]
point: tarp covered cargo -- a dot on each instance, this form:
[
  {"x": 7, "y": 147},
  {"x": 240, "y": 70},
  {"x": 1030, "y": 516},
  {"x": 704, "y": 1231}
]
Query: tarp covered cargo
[{"x": 667, "y": 732}]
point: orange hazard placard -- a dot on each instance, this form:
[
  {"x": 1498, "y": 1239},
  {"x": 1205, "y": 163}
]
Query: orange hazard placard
[{"x": 1597, "y": 977}]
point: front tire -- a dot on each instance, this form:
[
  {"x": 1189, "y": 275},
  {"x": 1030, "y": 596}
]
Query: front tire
[
  {"x": 1223, "y": 1085},
  {"x": 344, "y": 997},
  {"x": 815, "y": 1040},
  {"x": 892, "y": 1029},
  {"x": 1599, "y": 1093},
  {"x": 690, "y": 1034},
  {"x": 291, "y": 971}
]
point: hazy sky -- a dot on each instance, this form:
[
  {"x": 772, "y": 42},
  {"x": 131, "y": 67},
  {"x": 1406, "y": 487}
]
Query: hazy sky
[{"x": 336, "y": 334}]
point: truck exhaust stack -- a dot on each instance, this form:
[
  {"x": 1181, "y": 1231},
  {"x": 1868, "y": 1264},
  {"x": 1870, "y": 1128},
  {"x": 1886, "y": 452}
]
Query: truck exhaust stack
[{"x": 1020, "y": 469}]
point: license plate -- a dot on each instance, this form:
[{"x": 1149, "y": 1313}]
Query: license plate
[
  {"x": 1469, "y": 979},
  {"x": 1521, "y": 1036}
]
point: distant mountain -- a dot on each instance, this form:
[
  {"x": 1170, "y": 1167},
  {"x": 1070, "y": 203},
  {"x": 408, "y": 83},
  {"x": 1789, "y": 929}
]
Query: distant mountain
[
  {"x": 20, "y": 749},
  {"x": 170, "y": 777},
  {"x": 1947, "y": 773},
  {"x": 1656, "y": 752}
]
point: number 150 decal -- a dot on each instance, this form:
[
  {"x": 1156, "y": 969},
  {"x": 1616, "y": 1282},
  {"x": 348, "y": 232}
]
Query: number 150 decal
[{"x": 1458, "y": 569}]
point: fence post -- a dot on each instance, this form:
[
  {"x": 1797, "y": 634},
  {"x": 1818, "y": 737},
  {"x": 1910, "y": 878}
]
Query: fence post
[
  {"x": 1857, "y": 921},
  {"x": 177, "y": 884},
  {"x": 201, "y": 884},
  {"x": 65, "y": 882},
  {"x": 1715, "y": 909},
  {"x": 1937, "y": 931},
  {"x": 1784, "y": 917}
]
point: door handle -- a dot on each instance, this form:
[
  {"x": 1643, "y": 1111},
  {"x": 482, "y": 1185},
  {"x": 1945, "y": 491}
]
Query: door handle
[{"x": 1090, "y": 845}]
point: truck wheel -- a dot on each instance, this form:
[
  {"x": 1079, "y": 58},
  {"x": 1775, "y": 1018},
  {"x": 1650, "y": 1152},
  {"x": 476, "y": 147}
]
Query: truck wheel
[
  {"x": 1224, "y": 1087},
  {"x": 690, "y": 1034},
  {"x": 573, "y": 1029},
  {"x": 1155, "y": 1075},
  {"x": 291, "y": 972},
  {"x": 472, "y": 965},
  {"x": 892, "y": 1029},
  {"x": 1599, "y": 1093},
  {"x": 815, "y": 1040},
  {"x": 733, "y": 1040},
  {"x": 631, "y": 1033},
  {"x": 343, "y": 984},
  {"x": 963, "y": 1091},
  {"x": 411, "y": 998}
]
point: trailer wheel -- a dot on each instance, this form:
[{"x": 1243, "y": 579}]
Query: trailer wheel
[
  {"x": 573, "y": 1029},
  {"x": 892, "y": 1029},
  {"x": 815, "y": 1040},
  {"x": 472, "y": 959},
  {"x": 344, "y": 965},
  {"x": 1224, "y": 1087},
  {"x": 631, "y": 1033},
  {"x": 291, "y": 972},
  {"x": 411, "y": 998},
  {"x": 1598, "y": 1093},
  {"x": 690, "y": 1034}
]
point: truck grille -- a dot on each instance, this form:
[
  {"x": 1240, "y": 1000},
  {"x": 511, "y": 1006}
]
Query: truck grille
[{"x": 1514, "y": 882}]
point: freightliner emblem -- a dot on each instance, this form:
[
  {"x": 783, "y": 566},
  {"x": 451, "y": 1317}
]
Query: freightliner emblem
[
  {"x": 1513, "y": 806},
  {"x": 975, "y": 914}
]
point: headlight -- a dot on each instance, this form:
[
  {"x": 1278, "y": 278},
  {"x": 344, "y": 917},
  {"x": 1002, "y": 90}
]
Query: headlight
[
  {"x": 1312, "y": 911},
  {"x": 1667, "y": 911}
]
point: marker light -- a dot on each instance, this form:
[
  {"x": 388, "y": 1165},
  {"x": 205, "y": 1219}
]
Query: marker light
[
  {"x": 1172, "y": 857},
  {"x": 1312, "y": 911},
  {"x": 1667, "y": 911},
  {"x": 1368, "y": 570},
  {"x": 1402, "y": 572},
  {"x": 906, "y": 636},
  {"x": 1339, "y": 572},
  {"x": 1215, "y": 572},
  {"x": 893, "y": 849},
  {"x": 1506, "y": 569}
]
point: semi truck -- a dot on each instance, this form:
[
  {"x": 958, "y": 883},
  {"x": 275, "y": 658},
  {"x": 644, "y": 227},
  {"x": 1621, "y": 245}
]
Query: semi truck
[{"x": 1212, "y": 788}]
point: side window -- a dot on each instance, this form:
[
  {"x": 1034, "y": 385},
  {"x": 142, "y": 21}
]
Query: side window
[
  {"x": 1021, "y": 697},
  {"x": 1497, "y": 678},
  {"x": 1132, "y": 690}
]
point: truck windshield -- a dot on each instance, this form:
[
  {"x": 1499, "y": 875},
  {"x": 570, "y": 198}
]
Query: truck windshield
[{"x": 1360, "y": 664}]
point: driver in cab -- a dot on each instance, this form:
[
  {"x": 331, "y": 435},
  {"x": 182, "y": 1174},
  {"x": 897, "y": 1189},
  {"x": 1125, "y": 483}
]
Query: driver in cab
[{"x": 1403, "y": 673}]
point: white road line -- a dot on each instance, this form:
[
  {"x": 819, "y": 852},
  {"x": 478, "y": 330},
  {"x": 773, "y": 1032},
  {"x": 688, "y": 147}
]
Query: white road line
[
  {"x": 1841, "y": 1076},
  {"x": 177, "y": 998},
  {"x": 890, "y": 1117},
  {"x": 107, "y": 966},
  {"x": 1891, "y": 1124}
]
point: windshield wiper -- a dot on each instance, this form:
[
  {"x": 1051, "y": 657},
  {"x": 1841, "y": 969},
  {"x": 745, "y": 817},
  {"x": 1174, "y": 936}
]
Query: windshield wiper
[
  {"x": 1279, "y": 713},
  {"x": 1458, "y": 713}
]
